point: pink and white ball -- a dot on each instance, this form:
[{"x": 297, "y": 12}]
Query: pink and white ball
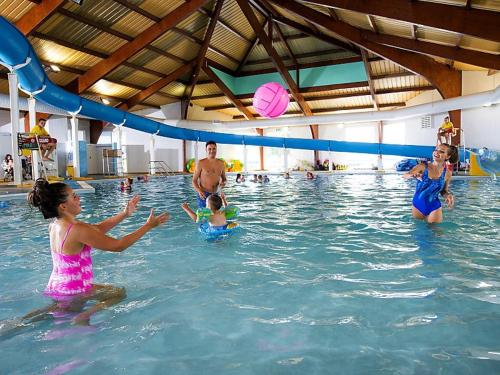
[{"x": 271, "y": 100}]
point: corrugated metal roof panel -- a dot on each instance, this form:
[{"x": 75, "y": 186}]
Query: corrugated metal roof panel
[
  {"x": 194, "y": 22},
  {"x": 132, "y": 24},
  {"x": 112, "y": 89},
  {"x": 478, "y": 44},
  {"x": 14, "y": 10},
  {"x": 359, "y": 20},
  {"x": 460, "y": 3},
  {"x": 221, "y": 60},
  {"x": 185, "y": 49},
  {"x": 462, "y": 66},
  {"x": 384, "y": 67},
  {"x": 228, "y": 43},
  {"x": 106, "y": 12},
  {"x": 140, "y": 78},
  {"x": 62, "y": 78},
  {"x": 402, "y": 97},
  {"x": 174, "y": 88},
  {"x": 438, "y": 36},
  {"x": 160, "y": 8},
  {"x": 207, "y": 89},
  {"x": 158, "y": 100},
  {"x": 486, "y": 5},
  {"x": 233, "y": 16},
  {"x": 121, "y": 73},
  {"x": 212, "y": 102},
  {"x": 309, "y": 44},
  {"x": 393, "y": 27},
  {"x": 74, "y": 31},
  {"x": 342, "y": 102},
  {"x": 50, "y": 51},
  {"x": 106, "y": 43},
  {"x": 359, "y": 90},
  {"x": 162, "y": 64},
  {"x": 399, "y": 82}
]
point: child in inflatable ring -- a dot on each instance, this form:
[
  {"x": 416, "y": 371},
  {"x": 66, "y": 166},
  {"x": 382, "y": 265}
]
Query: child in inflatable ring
[{"x": 217, "y": 219}]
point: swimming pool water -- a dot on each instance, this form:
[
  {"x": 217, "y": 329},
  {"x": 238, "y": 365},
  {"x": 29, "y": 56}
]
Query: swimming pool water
[{"x": 326, "y": 276}]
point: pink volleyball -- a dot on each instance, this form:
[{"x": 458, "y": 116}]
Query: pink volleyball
[{"x": 270, "y": 100}]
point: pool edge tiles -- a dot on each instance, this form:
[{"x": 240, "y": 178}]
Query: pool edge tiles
[{"x": 80, "y": 187}]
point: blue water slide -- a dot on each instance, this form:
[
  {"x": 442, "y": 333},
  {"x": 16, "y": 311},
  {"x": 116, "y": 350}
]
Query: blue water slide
[{"x": 17, "y": 54}]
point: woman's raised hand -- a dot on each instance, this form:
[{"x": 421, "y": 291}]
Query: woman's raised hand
[
  {"x": 154, "y": 221},
  {"x": 132, "y": 205}
]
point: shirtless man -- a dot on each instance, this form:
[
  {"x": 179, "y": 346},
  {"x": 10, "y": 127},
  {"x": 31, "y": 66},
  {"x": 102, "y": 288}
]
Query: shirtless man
[{"x": 209, "y": 175}]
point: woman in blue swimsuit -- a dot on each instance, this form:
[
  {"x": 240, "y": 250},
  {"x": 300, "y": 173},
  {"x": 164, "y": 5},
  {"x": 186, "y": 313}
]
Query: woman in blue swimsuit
[{"x": 433, "y": 179}]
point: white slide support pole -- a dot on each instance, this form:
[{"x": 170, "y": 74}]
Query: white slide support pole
[
  {"x": 152, "y": 153},
  {"x": 245, "y": 159},
  {"x": 35, "y": 156},
  {"x": 74, "y": 144},
  {"x": 14, "y": 120}
]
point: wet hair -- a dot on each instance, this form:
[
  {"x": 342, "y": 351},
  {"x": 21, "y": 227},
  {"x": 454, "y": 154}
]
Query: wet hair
[
  {"x": 7, "y": 157},
  {"x": 210, "y": 143},
  {"x": 47, "y": 197},
  {"x": 215, "y": 202},
  {"x": 238, "y": 175},
  {"x": 452, "y": 153}
]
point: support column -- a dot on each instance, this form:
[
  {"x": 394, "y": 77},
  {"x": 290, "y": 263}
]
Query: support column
[
  {"x": 75, "y": 146},
  {"x": 14, "y": 120},
  {"x": 245, "y": 159},
  {"x": 35, "y": 156},
  {"x": 152, "y": 154},
  {"x": 285, "y": 159},
  {"x": 380, "y": 131},
  {"x": 330, "y": 161}
]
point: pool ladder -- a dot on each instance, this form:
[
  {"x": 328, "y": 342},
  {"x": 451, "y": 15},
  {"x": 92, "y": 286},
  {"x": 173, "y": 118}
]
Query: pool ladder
[{"x": 160, "y": 167}]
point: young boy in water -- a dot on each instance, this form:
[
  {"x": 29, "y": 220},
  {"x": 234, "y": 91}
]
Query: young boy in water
[{"x": 214, "y": 202}]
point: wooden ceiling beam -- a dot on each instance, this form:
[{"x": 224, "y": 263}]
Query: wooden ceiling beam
[
  {"x": 334, "y": 109},
  {"x": 475, "y": 22},
  {"x": 366, "y": 92},
  {"x": 188, "y": 92},
  {"x": 37, "y": 15},
  {"x": 364, "y": 55},
  {"x": 237, "y": 103},
  {"x": 304, "y": 29},
  {"x": 118, "y": 57},
  {"x": 482, "y": 59},
  {"x": 266, "y": 42},
  {"x": 109, "y": 30}
]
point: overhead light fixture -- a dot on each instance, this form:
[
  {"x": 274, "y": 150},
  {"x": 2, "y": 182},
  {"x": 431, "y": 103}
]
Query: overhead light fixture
[
  {"x": 55, "y": 68},
  {"x": 105, "y": 101}
]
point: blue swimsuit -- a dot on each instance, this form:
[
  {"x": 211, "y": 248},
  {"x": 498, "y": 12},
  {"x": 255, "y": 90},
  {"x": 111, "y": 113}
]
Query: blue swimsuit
[{"x": 426, "y": 198}]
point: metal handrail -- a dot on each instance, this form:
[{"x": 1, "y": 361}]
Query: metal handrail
[{"x": 160, "y": 167}]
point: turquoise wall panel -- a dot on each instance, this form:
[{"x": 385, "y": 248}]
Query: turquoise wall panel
[{"x": 310, "y": 77}]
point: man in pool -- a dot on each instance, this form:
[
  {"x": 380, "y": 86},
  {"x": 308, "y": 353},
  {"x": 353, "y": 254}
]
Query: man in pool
[{"x": 209, "y": 175}]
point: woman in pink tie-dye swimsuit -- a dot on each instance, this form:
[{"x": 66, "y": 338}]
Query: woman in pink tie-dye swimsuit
[{"x": 71, "y": 282}]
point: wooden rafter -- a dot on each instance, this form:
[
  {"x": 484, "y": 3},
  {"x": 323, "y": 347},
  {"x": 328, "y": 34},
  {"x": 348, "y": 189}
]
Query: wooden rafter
[
  {"x": 368, "y": 71},
  {"x": 36, "y": 15},
  {"x": 266, "y": 42},
  {"x": 188, "y": 92},
  {"x": 109, "y": 30},
  {"x": 237, "y": 103},
  {"x": 306, "y": 30},
  {"x": 104, "y": 67},
  {"x": 336, "y": 109},
  {"x": 294, "y": 58},
  {"x": 249, "y": 50},
  {"x": 465, "y": 20},
  {"x": 372, "y": 23},
  {"x": 365, "y": 92}
]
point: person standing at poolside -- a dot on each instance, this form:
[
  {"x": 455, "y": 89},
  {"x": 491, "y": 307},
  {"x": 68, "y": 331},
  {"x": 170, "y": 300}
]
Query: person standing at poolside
[{"x": 209, "y": 175}]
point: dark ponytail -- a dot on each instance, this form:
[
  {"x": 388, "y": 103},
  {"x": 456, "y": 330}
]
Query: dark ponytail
[
  {"x": 47, "y": 197},
  {"x": 452, "y": 152}
]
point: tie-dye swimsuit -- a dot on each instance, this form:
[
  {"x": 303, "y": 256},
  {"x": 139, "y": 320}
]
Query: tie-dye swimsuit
[{"x": 71, "y": 274}]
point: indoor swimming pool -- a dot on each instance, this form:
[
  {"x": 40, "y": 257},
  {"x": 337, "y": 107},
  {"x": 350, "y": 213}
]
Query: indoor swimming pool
[{"x": 325, "y": 276}]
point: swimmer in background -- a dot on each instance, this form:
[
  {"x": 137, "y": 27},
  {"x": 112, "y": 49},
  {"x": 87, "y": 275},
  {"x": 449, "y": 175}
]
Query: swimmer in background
[
  {"x": 240, "y": 178},
  {"x": 266, "y": 179},
  {"x": 126, "y": 185},
  {"x": 286, "y": 176},
  {"x": 309, "y": 176},
  {"x": 255, "y": 178},
  {"x": 217, "y": 219},
  {"x": 433, "y": 179},
  {"x": 209, "y": 175},
  {"x": 259, "y": 178},
  {"x": 144, "y": 178},
  {"x": 71, "y": 283}
]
